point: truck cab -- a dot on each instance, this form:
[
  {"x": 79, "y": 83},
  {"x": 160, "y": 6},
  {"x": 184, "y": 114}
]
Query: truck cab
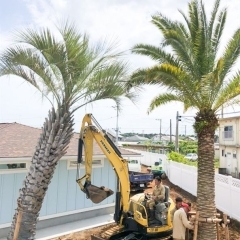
[
  {"x": 134, "y": 165},
  {"x": 157, "y": 169}
]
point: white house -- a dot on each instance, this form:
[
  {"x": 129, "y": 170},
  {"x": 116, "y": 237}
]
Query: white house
[{"x": 229, "y": 145}]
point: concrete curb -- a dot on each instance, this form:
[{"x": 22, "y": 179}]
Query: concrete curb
[{"x": 75, "y": 230}]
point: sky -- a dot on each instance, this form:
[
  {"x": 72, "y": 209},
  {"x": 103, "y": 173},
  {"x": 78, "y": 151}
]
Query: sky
[{"x": 124, "y": 21}]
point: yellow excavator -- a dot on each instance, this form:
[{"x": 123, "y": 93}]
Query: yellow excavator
[{"x": 130, "y": 213}]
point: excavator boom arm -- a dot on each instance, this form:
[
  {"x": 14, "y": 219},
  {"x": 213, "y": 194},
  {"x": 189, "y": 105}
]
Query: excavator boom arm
[{"x": 88, "y": 134}]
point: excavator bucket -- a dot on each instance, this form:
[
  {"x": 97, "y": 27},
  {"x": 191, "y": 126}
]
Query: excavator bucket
[{"x": 97, "y": 194}]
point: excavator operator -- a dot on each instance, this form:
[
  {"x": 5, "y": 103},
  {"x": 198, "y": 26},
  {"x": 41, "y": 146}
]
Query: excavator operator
[{"x": 157, "y": 197}]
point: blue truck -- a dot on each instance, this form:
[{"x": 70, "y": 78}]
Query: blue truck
[{"x": 139, "y": 181}]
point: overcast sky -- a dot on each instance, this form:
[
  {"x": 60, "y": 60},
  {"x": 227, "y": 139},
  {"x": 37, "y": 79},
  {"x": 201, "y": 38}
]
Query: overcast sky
[{"x": 128, "y": 22}]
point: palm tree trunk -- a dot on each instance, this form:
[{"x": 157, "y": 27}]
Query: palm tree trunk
[
  {"x": 54, "y": 139},
  {"x": 205, "y": 125}
]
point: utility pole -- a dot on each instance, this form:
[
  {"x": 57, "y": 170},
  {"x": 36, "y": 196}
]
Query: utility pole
[
  {"x": 176, "y": 138},
  {"x": 160, "y": 129},
  {"x": 117, "y": 125},
  {"x": 170, "y": 130}
]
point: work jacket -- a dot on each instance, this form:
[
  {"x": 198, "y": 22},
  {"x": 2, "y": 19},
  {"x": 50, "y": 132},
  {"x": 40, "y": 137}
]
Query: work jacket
[
  {"x": 180, "y": 223},
  {"x": 159, "y": 192}
]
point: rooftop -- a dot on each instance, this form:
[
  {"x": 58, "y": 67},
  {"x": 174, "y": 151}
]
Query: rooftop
[
  {"x": 228, "y": 118},
  {"x": 18, "y": 140}
]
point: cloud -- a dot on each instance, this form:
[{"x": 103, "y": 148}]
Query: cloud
[{"x": 128, "y": 21}]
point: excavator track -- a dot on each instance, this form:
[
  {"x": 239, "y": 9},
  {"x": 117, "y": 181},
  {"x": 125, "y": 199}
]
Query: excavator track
[
  {"x": 114, "y": 229},
  {"x": 108, "y": 232}
]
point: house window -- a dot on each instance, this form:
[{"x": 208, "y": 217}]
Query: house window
[
  {"x": 228, "y": 133},
  {"x": 223, "y": 152},
  {"x": 72, "y": 164},
  {"x": 13, "y": 167},
  {"x": 234, "y": 155}
]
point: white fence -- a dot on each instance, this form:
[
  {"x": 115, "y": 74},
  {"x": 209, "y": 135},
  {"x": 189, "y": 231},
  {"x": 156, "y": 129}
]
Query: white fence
[{"x": 227, "y": 189}]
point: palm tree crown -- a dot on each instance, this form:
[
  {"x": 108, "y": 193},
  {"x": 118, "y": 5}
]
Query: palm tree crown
[
  {"x": 65, "y": 66},
  {"x": 193, "y": 71}
]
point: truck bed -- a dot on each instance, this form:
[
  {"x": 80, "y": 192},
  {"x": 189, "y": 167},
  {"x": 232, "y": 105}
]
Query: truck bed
[
  {"x": 140, "y": 177},
  {"x": 139, "y": 180}
]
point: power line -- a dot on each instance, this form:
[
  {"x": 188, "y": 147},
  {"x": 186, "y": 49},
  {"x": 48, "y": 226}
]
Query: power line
[{"x": 216, "y": 114}]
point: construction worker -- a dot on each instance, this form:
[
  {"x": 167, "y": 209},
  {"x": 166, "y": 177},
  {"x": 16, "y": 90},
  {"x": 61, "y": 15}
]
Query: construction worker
[
  {"x": 158, "y": 196},
  {"x": 178, "y": 204},
  {"x": 180, "y": 222}
]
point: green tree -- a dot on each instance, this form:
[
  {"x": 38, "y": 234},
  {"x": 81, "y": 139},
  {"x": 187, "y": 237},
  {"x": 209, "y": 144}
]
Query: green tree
[
  {"x": 187, "y": 147},
  {"x": 194, "y": 72},
  {"x": 66, "y": 68}
]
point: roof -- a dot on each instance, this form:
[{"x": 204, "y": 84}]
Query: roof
[
  {"x": 18, "y": 140},
  {"x": 120, "y": 143},
  {"x": 190, "y": 138},
  {"x": 135, "y": 138},
  {"x": 163, "y": 138},
  {"x": 113, "y": 133},
  {"x": 228, "y": 118}
]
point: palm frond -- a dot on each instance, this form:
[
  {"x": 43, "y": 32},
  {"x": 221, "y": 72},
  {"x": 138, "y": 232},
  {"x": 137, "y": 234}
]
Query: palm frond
[
  {"x": 66, "y": 66},
  {"x": 218, "y": 30},
  {"x": 163, "y": 99},
  {"x": 156, "y": 53},
  {"x": 171, "y": 77},
  {"x": 174, "y": 36},
  {"x": 213, "y": 18},
  {"x": 193, "y": 19},
  {"x": 228, "y": 92},
  {"x": 31, "y": 66},
  {"x": 231, "y": 54}
]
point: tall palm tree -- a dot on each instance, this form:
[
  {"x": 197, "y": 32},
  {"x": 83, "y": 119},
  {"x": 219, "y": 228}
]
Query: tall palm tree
[
  {"x": 63, "y": 67},
  {"x": 194, "y": 72}
]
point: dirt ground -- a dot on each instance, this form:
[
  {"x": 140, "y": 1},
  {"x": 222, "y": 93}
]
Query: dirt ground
[{"x": 234, "y": 228}]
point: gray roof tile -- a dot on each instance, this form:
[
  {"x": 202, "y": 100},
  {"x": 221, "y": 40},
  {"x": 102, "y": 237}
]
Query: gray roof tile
[{"x": 18, "y": 140}]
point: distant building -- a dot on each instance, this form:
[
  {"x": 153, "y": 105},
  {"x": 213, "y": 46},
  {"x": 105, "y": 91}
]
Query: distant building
[
  {"x": 229, "y": 145},
  {"x": 136, "y": 138},
  {"x": 188, "y": 138},
  {"x": 155, "y": 148},
  {"x": 165, "y": 139},
  {"x": 112, "y": 135}
]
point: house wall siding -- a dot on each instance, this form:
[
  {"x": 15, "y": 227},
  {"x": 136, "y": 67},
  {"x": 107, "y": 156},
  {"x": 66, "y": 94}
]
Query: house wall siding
[{"x": 63, "y": 194}]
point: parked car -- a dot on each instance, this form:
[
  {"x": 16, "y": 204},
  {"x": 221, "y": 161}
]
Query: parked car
[{"x": 192, "y": 156}]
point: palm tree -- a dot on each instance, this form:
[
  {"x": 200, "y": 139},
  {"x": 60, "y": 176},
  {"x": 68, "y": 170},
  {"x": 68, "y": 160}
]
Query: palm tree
[
  {"x": 63, "y": 67},
  {"x": 194, "y": 72}
]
